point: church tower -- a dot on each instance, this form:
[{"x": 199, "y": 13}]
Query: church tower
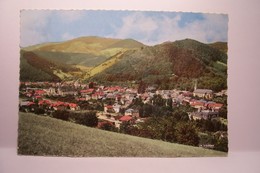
[{"x": 195, "y": 84}]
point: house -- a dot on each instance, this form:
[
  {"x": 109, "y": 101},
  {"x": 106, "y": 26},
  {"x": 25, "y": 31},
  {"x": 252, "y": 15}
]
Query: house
[
  {"x": 132, "y": 113},
  {"x": 59, "y": 106},
  {"x": 112, "y": 108},
  {"x": 26, "y": 103},
  {"x": 203, "y": 93},
  {"x": 73, "y": 106},
  {"x": 26, "y": 106},
  {"x": 125, "y": 118},
  {"x": 87, "y": 92},
  {"x": 198, "y": 104},
  {"x": 203, "y": 114},
  {"x": 116, "y": 108},
  {"x": 97, "y": 95},
  {"x": 214, "y": 106},
  {"x": 109, "y": 109},
  {"x": 110, "y": 96},
  {"x": 51, "y": 91},
  {"x": 39, "y": 92},
  {"x": 44, "y": 102}
]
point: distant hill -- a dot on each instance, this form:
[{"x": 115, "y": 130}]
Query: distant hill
[
  {"x": 112, "y": 61},
  {"x": 88, "y": 51},
  {"x": 222, "y": 46},
  {"x": 36, "y": 68},
  {"x": 170, "y": 65},
  {"x": 45, "y": 136},
  {"x": 56, "y": 61}
]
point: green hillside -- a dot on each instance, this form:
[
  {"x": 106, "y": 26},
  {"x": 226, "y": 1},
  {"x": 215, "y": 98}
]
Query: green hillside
[
  {"x": 168, "y": 65},
  {"x": 36, "y": 68},
  {"x": 103, "y": 66},
  {"x": 85, "y": 59},
  {"x": 222, "y": 46},
  {"x": 88, "y": 51},
  {"x": 31, "y": 73},
  {"x": 204, "y": 52},
  {"x": 39, "y": 135},
  {"x": 84, "y": 51},
  {"x": 171, "y": 65}
]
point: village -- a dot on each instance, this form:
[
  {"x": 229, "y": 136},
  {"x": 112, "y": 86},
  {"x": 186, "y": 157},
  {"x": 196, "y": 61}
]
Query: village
[{"x": 113, "y": 103}]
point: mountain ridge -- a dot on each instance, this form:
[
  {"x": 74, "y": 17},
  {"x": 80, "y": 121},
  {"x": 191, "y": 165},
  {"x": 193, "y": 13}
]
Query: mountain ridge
[{"x": 169, "y": 64}]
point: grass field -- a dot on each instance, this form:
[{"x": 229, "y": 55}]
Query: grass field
[{"x": 40, "y": 135}]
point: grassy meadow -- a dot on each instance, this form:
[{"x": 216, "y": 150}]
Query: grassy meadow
[{"x": 42, "y": 135}]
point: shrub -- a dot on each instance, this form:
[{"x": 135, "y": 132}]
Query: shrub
[
  {"x": 39, "y": 111},
  {"x": 186, "y": 133},
  {"x": 87, "y": 118},
  {"x": 61, "y": 114}
]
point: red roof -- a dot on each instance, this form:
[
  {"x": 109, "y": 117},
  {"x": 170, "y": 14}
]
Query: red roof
[
  {"x": 215, "y": 105},
  {"x": 113, "y": 88},
  {"x": 73, "y": 105},
  {"x": 59, "y": 104},
  {"x": 197, "y": 104},
  {"x": 81, "y": 99},
  {"x": 87, "y": 90},
  {"x": 125, "y": 118},
  {"x": 41, "y": 102},
  {"x": 30, "y": 103},
  {"x": 109, "y": 107},
  {"x": 39, "y": 92}
]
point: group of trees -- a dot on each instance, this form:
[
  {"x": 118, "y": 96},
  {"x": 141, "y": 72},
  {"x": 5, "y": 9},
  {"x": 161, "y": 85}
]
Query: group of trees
[
  {"x": 172, "y": 124},
  {"x": 166, "y": 128},
  {"x": 84, "y": 118}
]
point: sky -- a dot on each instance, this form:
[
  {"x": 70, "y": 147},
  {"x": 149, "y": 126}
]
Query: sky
[{"x": 148, "y": 27}]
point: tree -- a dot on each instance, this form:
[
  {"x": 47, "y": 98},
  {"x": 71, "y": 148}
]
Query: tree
[
  {"x": 142, "y": 87},
  {"x": 91, "y": 85},
  {"x": 108, "y": 127},
  {"x": 147, "y": 110},
  {"x": 88, "y": 118},
  {"x": 186, "y": 133},
  {"x": 221, "y": 144},
  {"x": 38, "y": 110},
  {"x": 61, "y": 114},
  {"x": 223, "y": 112},
  {"x": 125, "y": 127},
  {"x": 157, "y": 100}
]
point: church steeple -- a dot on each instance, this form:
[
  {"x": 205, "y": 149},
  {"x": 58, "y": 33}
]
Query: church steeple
[{"x": 195, "y": 84}]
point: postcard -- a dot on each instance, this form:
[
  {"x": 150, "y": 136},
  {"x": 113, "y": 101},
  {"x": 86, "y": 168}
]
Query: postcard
[{"x": 111, "y": 83}]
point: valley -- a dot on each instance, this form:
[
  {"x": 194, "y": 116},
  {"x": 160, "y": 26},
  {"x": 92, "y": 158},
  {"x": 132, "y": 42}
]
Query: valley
[{"x": 175, "y": 92}]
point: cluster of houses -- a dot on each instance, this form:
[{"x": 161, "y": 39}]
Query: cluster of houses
[{"x": 122, "y": 97}]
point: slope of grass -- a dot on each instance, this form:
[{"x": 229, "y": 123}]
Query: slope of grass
[
  {"x": 39, "y": 135},
  {"x": 92, "y": 45},
  {"x": 86, "y": 59},
  {"x": 100, "y": 68}
]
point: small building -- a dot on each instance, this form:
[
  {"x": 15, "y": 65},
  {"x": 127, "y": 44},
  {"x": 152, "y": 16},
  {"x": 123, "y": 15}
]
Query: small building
[
  {"x": 132, "y": 113},
  {"x": 203, "y": 93},
  {"x": 87, "y": 92},
  {"x": 125, "y": 118}
]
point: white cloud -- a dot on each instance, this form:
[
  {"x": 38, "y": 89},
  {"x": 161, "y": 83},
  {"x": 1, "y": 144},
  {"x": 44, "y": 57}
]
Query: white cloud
[
  {"x": 68, "y": 16},
  {"x": 36, "y": 28},
  {"x": 138, "y": 25},
  {"x": 67, "y": 36},
  {"x": 152, "y": 30},
  {"x": 33, "y": 23},
  {"x": 211, "y": 28},
  {"x": 39, "y": 26}
]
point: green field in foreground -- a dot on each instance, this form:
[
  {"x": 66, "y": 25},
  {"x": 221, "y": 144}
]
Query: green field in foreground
[{"x": 40, "y": 135}]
